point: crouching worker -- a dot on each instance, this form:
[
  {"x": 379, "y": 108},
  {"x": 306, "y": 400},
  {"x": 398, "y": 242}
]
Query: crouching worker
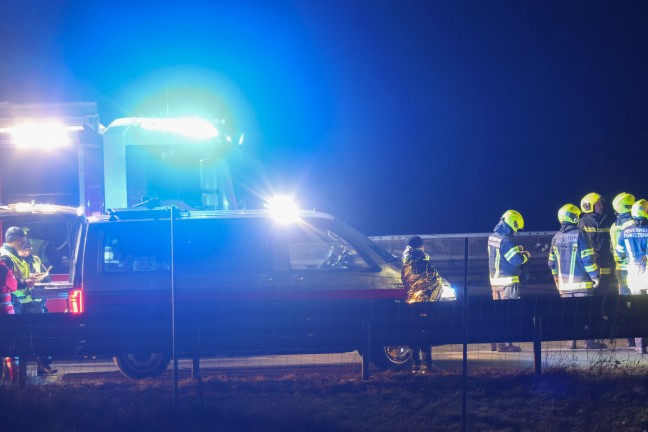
[
  {"x": 505, "y": 263},
  {"x": 423, "y": 284}
]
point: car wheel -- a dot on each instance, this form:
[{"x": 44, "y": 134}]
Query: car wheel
[
  {"x": 391, "y": 357},
  {"x": 139, "y": 366}
]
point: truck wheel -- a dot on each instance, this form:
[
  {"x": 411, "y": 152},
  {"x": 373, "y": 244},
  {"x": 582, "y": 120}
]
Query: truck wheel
[
  {"x": 391, "y": 357},
  {"x": 139, "y": 366}
]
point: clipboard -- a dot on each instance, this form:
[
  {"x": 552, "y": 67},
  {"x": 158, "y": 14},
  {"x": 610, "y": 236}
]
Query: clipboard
[{"x": 43, "y": 275}]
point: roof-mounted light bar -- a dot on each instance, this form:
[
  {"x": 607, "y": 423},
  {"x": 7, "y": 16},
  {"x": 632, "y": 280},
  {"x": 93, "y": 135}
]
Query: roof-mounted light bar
[
  {"x": 44, "y": 134},
  {"x": 193, "y": 127}
]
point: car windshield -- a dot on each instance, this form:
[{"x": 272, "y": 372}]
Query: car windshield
[{"x": 356, "y": 237}]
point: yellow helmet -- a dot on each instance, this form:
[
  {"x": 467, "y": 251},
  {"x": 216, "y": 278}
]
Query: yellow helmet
[
  {"x": 622, "y": 203},
  {"x": 588, "y": 202},
  {"x": 513, "y": 219},
  {"x": 640, "y": 209},
  {"x": 569, "y": 213}
]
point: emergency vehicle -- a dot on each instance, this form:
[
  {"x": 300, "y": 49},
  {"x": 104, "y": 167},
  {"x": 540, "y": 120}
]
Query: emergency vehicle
[
  {"x": 59, "y": 157},
  {"x": 135, "y": 265}
]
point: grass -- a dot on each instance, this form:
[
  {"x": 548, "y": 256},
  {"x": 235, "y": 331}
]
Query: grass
[{"x": 497, "y": 401}]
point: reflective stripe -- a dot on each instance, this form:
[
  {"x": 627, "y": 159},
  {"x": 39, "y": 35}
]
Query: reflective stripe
[
  {"x": 572, "y": 263},
  {"x": 589, "y": 229},
  {"x": 592, "y": 268},
  {"x": 605, "y": 271},
  {"x": 504, "y": 281},
  {"x": 511, "y": 253},
  {"x": 604, "y": 230},
  {"x": 497, "y": 263},
  {"x": 587, "y": 252},
  {"x": 574, "y": 286}
]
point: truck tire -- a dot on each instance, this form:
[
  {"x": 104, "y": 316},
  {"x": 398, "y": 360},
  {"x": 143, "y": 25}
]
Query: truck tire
[
  {"x": 391, "y": 357},
  {"x": 138, "y": 366}
]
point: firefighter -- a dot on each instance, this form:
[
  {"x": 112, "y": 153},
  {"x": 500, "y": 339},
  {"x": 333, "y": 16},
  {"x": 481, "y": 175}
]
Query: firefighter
[
  {"x": 571, "y": 260},
  {"x": 38, "y": 271},
  {"x": 505, "y": 262},
  {"x": 622, "y": 205},
  {"x": 8, "y": 285},
  {"x": 15, "y": 239},
  {"x": 595, "y": 223},
  {"x": 632, "y": 246},
  {"x": 423, "y": 284}
]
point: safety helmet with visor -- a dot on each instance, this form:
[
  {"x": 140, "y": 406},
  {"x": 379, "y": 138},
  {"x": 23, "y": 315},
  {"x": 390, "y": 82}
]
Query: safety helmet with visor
[
  {"x": 622, "y": 203},
  {"x": 589, "y": 201},
  {"x": 569, "y": 213},
  {"x": 513, "y": 219},
  {"x": 639, "y": 209}
]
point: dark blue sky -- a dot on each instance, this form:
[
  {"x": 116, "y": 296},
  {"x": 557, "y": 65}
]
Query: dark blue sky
[{"x": 399, "y": 117}]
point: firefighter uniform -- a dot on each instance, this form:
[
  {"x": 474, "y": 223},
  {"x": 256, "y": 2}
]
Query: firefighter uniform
[
  {"x": 596, "y": 226},
  {"x": 633, "y": 246},
  {"x": 622, "y": 204},
  {"x": 571, "y": 260},
  {"x": 505, "y": 261},
  {"x": 423, "y": 284}
]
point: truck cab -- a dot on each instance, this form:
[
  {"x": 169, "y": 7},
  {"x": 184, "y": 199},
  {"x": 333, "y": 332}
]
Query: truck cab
[{"x": 52, "y": 231}]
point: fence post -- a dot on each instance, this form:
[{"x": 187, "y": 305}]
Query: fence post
[
  {"x": 464, "y": 395},
  {"x": 367, "y": 350},
  {"x": 537, "y": 344}
]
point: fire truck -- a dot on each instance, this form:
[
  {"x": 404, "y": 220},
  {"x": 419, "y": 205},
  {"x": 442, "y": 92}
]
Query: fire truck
[{"x": 58, "y": 162}]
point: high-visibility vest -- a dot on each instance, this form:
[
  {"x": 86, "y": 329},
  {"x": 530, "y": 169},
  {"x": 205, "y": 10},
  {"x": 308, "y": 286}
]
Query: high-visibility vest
[{"x": 21, "y": 269}]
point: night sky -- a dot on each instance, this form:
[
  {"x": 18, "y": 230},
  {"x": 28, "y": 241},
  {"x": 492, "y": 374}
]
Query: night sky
[{"x": 400, "y": 117}]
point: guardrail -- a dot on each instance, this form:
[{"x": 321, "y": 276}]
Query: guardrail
[
  {"x": 333, "y": 326},
  {"x": 447, "y": 253}
]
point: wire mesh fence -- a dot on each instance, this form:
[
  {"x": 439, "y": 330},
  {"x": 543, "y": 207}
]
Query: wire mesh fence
[{"x": 294, "y": 336}]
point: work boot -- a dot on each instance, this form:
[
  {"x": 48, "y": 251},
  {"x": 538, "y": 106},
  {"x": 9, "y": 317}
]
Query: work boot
[
  {"x": 572, "y": 344},
  {"x": 631, "y": 343},
  {"x": 493, "y": 347},
  {"x": 416, "y": 369},
  {"x": 509, "y": 348},
  {"x": 594, "y": 345},
  {"x": 640, "y": 344},
  {"x": 45, "y": 370}
]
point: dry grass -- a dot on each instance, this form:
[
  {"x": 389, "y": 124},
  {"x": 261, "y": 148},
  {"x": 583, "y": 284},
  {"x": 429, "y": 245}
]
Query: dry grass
[{"x": 559, "y": 400}]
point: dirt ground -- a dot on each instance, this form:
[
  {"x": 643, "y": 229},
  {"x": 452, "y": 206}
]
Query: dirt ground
[{"x": 609, "y": 400}]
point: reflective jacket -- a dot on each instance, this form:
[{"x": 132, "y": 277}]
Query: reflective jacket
[
  {"x": 20, "y": 269},
  {"x": 622, "y": 221},
  {"x": 505, "y": 257},
  {"x": 633, "y": 246},
  {"x": 419, "y": 276},
  {"x": 36, "y": 266},
  {"x": 597, "y": 229},
  {"x": 571, "y": 258},
  {"x": 8, "y": 285}
]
